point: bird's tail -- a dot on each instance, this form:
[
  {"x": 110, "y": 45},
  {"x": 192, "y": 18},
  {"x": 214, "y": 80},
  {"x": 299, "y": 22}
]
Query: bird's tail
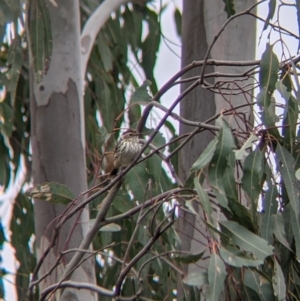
[{"x": 113, "y": 172}]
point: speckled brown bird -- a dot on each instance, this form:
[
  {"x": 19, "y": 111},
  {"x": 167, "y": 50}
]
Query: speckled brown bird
[{"x": 126, "y": 150}]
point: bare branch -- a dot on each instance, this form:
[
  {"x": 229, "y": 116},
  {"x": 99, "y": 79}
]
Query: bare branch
[{"x": 85, "y": 244}]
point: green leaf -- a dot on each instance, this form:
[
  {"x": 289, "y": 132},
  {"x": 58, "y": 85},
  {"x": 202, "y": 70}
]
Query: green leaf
[
  {"x": 54, "y": 193},
  {"x": 268, "y": 73},
  {"x": 107, "y": 228},
  {"x": 279, "y": 231},
  {"x": 6, "y": 119},
  {"x": 189, "y": 258},
  {"x": 141, "y": 94},
  {"x": 37, "y": 36},
  {"x": 218, "y": 163},
  {"x": 246, "y": 240},
  {"x": 258, "y": 284},
  {"x": 162, "y": 181},
  {"x": 6, "y": 15},
  {"x": 110, "y": 228},
  {"x": 136, "y": 180},
  {"x": 284, "y": 91},
  {"x": 229, "y": 180},
  {"x": 196, "y": 279},
  {"x": 102, "y": 137},
  {"x": 241, "y": 153},
  {"x": 204, "y": 200},
  {"x": 159, "y": 140},
  {"x": 133, "y": 28},
  {"x": 272, "y": 6},
  {"x": 216, "y": 277},
  {"x": 278, "y": 282},
  {"x": 150, "y": 47},
  {"x": 105, "y": 53},
  {"x": 205, "y": 156},
  {"x": 295, "y": 277},
  {"x": 122, "y": 202},
  {"x": 251, "y": 180},
  {"x": 241, "y": 215},
  {"x": 237, "y": 258},
  {"x": 190, "y": 206},
  {"x": 4, "y": 163},
  {"x": 2, "y": 237},
  {"x": 290, "y": 122},
  {"x": 229, "y": 8},
  {"x": 14, "y": 61},
  {"x": 47, "y": 34},
  {"x": 268, "y": 76},
  {"x": 269, "y": 205},
  {"x": 285, "y": 165},
  {"x": 178, "y": 21},
  {"x": 295, "y": 223},
  {"x": 40, "y": 37}
]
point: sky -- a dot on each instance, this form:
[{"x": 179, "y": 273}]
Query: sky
[{"x": 165, "y": 69}]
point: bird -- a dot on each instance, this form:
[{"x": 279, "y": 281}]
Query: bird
[{"x": 126, "y": 150}]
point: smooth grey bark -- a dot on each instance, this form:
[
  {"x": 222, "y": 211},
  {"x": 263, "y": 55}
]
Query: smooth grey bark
[
  {"x": 201, "y": 21},
  {"x": 198, "y": 106},
  {"x": 236, "y": 43},
  {"x": 58, "y": 146}
]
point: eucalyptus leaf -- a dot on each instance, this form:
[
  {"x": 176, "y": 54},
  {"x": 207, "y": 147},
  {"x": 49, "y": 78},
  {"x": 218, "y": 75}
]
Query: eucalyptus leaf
[
  {"x": 205, "y": 156},
  {"x": 270, "y": 205},
  {"x": 229, "y": 8},
  {"x": 229, "y": 180},
  {"x": 110, "y": 228},
  {"x": 196, "y": 279},
  {"x": 54, "y": 193},
  {"x": 278, "y": 282},
  {"x": 259, "y": 284},
  {"x": 283, "y": 90},
  {"x": 102, "y": 137},
  {"x": 15, "y": 61},
  {"x": 285, "y": 165},
  {"x": 279, "y": 232},
  {"x": 242, "y": 153},
  {"x": 269, "y": 66},
  {"x": 290, "y": 122},
  {"x": 295, "y": 223},
  {"x": 150, "y": 47},
  {"x": 178, "y": 21},
  {"x": 189, "y": 258},
  {"x": 237, "y": 258},
  {"x": 251, "y": 180},
  {"x": 141, "y": 94},
  {"x": 216, "y": 277},
  {"x": 246, "y": 240},
  {"x": 6, "y": 115},
  {"x": 218, "y": 163},
  {"x": 271, "y": 12},
  {"x": 204, "y": 200},
  {"x": 268, "y": 76},
  {"x": 40, "y": 37},
  {"x": 137, "y": 180},
  {"x": 4, "y": 164}
]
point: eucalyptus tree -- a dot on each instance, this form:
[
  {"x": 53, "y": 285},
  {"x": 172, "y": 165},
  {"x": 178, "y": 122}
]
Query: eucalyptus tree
[{"x": 67, "y": 91}]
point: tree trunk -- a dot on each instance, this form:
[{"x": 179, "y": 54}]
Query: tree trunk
[
  {"x": 198, "y": 105},
  {"x": 58, "y": 145},
  {"x": 201, "y": 21}
]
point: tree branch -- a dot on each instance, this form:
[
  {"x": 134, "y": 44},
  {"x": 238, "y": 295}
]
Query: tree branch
[{"x": 92, "y": 232}]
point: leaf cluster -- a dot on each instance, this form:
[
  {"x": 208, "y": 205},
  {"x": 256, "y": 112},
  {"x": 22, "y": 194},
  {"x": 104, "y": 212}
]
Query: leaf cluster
[{"x": 244, "y": 187}]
